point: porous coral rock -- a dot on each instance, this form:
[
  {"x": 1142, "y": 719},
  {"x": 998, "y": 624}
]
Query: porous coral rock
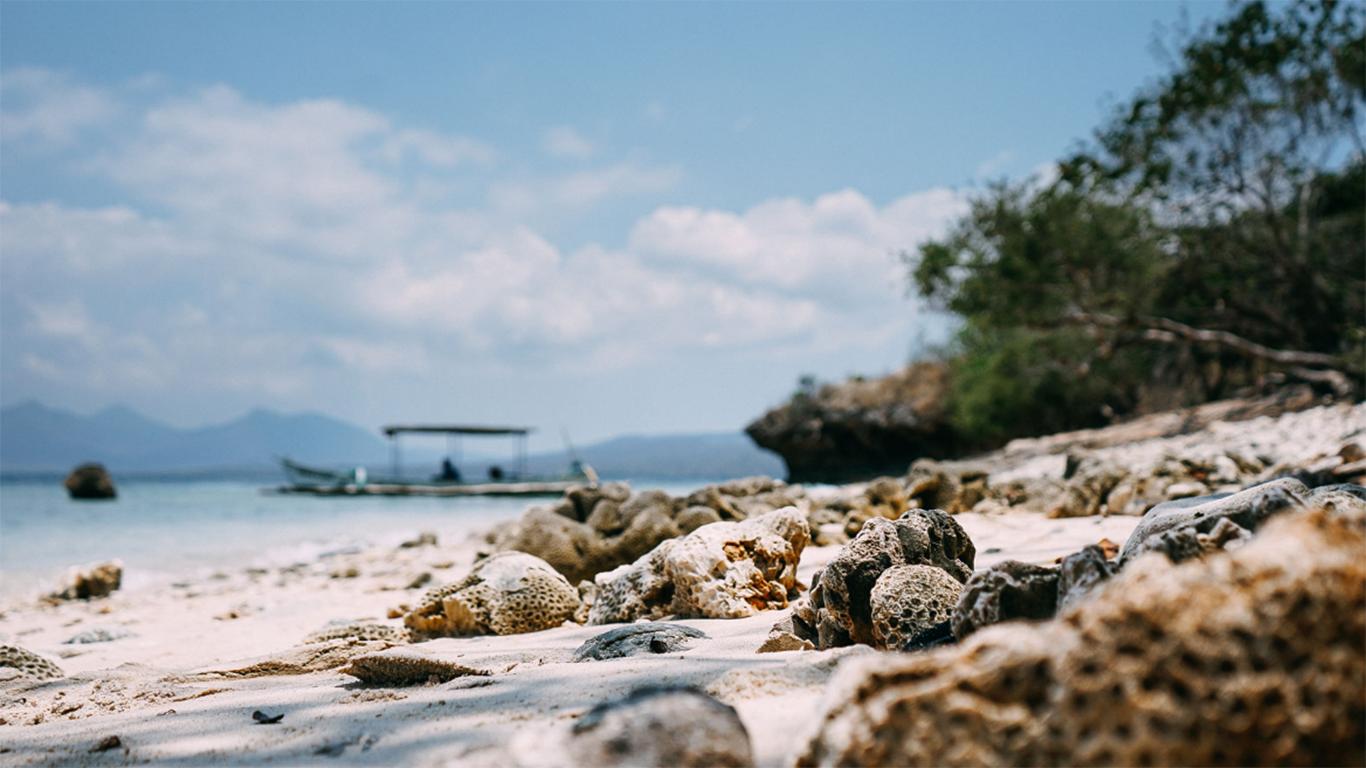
[
  {"x": 1006, "y": 591},
  {"x": 359, "y": 631},
  {"x": 509, "y": 593},
  {"x": 680, "y": 727},
  {"x": 406, "y": 666},
  {"x": 16, "y": 662},
  {"x": 909, "y": 600},
  {"x": 1248, "y": 657},
  {"x": 837, "y": 610},
  {"x": 722, "y": 570}
]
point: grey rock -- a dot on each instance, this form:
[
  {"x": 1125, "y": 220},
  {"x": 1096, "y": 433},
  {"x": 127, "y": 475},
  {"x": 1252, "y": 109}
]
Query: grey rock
[
  {"x": 1005, "y": 592},
  {"x": 97, "y": 635},
  {"x": 1080, "y": 573},
  {"x": 839, "y": 608},
  {"x": 661, "y": 726},
  {"x": 638, "y": 640},
  {"x": 1248, "y": 508}
]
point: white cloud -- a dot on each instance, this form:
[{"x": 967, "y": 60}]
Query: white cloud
[
  {"x": 282, "y": 249},
  {"x": 564, "y": 141},
  {"x": 994, "y": 166},
  {"x": 840, "y": 245},
  {"x": 579, "y": 191},
  {"x": 48, "y": 107}
]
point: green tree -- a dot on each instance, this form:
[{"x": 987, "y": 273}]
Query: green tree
[{"x": 1213, "y": 231}]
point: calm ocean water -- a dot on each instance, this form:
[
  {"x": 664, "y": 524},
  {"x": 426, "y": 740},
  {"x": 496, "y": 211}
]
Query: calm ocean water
[{"x": 165, "y": 529}]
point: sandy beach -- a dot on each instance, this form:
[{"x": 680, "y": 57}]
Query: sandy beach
[{"x": 166, "y": 687}]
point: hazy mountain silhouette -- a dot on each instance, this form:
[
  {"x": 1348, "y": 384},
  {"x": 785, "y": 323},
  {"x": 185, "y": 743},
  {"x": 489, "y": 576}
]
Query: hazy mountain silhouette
[{"x": 37, "y": 438}]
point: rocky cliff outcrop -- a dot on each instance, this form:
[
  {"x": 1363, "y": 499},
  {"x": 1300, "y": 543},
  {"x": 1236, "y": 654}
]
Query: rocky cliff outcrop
[{"x": 862, "y": 427}]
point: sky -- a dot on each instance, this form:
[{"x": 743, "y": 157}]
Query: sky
[{"x": 608, "y": 218}]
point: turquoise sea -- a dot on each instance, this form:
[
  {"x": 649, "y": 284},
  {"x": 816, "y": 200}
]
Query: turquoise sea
[{"x": 165, "y": 529}]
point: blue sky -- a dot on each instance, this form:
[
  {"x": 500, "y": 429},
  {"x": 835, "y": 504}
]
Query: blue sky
[{"x": 615, "y": 218}]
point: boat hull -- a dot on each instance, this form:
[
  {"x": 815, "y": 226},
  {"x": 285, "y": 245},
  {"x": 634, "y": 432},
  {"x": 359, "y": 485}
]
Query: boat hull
[{"x": 542, "y": 488}]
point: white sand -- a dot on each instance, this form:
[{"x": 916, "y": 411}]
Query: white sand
[{"x": 136, "y": 687}]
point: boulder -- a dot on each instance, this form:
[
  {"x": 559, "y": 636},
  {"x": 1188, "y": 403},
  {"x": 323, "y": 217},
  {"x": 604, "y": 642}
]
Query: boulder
[
  {"x": 838, "y": 609},
  {"x": 90, "y": 482},
  {"x": 1248, "y": 508},
  {"x": 680, "y": 727},
  {"x": 1248, "y": 657},
  {"x": 722, "y": 570},
  {"x": 1006, "y": 591},
  {"x": 638, "y": 639},
  {"x": 861, "y": 428},
  {"x": 508, "y": 593}
]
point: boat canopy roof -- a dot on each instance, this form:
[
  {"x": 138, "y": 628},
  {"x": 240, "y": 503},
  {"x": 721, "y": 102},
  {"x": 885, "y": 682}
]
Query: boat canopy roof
[{"x": 453, "y": 429}]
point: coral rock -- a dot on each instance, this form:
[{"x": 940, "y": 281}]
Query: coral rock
[
  {"x": 679, "y": 727},
  {"x": 838, "y": 611},
  {"x": 23, "y": 664},
  {"x": 909, "y": 600},
  {"x": 509, "y": 593},
  {"x": 722, "y": 570},
  {"x": 1004, "y": 592},
  {"x": 1081, "y": 572},
  {"x": 99, "y": 581},
  {"x": 406, "y": 666},
  {"x": 1247, "y": 657},
  {"x": 360, "y": 631}
]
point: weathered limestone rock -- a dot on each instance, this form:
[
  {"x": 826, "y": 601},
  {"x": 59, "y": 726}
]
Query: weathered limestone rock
[
  {"x": 1005, "y": 592},
  {"x": 1248, "y": 508},
  {"x": 98, "y": 635},
  {"x": 1247, "y": 657},
  {"x": 722, "y": 570},
  {"x": 90, "y": 482},
  {"x": 783, "y": 638},
  {"x": 509, "y": 593},
  {"x": 406, "y": 666},
  {"x": 638, "y": 639},
  {"x": 680, "y": 727},
  {"x": 18, "y": 663},
  {"x": 862, "y": 427},
  {"x": 909, "y": 600},
  {"x": 99, "y": 581},
  {"x": 838, "y": 609}
]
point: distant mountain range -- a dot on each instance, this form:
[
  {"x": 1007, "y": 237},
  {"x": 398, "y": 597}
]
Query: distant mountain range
[{"x": 37, "y": 439}]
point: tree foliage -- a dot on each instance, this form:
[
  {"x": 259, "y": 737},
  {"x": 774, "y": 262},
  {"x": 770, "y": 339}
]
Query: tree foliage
[{"x": 1221, "y": 213}]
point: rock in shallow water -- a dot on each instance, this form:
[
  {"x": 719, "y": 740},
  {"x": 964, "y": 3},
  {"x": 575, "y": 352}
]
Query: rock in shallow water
[
  {"x": 90, "y": 482},
  {"x": 661, "y": 727},
  {"x": 637, "y": 640}
]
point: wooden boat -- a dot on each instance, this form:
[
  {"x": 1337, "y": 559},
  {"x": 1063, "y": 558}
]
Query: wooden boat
[{"x": 316, "y": 481}]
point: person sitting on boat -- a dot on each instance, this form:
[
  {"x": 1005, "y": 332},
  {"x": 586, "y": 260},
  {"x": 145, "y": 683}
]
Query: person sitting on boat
[{"x": 449, "y": 474}]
